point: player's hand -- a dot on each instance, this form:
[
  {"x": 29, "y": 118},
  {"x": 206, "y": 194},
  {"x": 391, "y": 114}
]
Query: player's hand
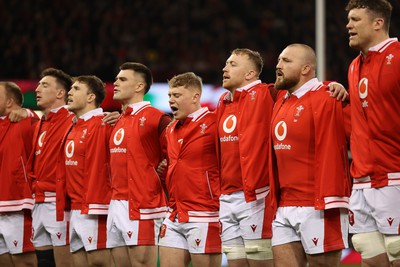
[
  {"x": 337, "y": 90},
  {"x": 162, "y": 166},
  {"x": 18, "y": 114},
  {"x": 111, "y": 117}
]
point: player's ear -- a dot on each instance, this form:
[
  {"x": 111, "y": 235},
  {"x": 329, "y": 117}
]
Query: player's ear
[{"x": 91, "y": 97}]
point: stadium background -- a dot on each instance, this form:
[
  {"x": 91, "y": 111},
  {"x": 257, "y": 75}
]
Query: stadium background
[{"x": 171, "y": 37}]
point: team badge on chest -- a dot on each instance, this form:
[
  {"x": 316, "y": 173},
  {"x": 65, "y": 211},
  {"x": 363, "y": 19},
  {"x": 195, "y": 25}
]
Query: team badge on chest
[
  {"x": 389, "y": 59},
  {"x": 253, "y": 95},
  {"x": 84, "y": 132},
  {"x": 203, "y": 128},
  {"x": 297, "y": 112},
  {"x": 142, "y": 121}
]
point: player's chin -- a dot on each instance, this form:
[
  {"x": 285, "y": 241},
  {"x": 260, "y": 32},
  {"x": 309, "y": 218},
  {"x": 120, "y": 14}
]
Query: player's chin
[
  {"x": 225, "y": 83},
  {"x": 177, "y": 116},
  {"x": 353, "y": 43}
]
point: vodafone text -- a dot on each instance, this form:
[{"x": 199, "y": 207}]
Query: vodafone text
[{"x": 282, "y": 146}]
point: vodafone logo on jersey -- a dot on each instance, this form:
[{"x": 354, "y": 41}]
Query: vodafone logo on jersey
[
  {"x": 363, "y": 91},
  {"x": 117, "y": 139},
  {"x": 280, "y": 130},
  {"x": 119, "y": 136},
  {"x": 69, "y": 152},
  {"x": 363, "y": 88},
  {"x": 41, "y": 139},
  {"x": 69, "y": 149},
  {"x": 229, "y": 124}
]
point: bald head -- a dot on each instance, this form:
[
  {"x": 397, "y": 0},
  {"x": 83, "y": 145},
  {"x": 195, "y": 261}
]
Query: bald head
[
  {"x": 306, "y": 54},
  {"x": 296, "y": 65}
]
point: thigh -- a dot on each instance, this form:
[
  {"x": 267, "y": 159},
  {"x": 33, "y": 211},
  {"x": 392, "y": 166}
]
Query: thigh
[
  {"x": 174, "y": 257},
  {"x": 5, "y": 259},
  {"x": 79, "y": 258},
  {"x": 211, "y": 260},
  {"x": 120, "y": 256},
  {"x": 24, "y": 259},
  {"x": 62, "y": 256},
  {"x": 143, "y": 255},
  {"x": 331, "y": 259},
  {"x": 18, "y": 227},
  {"x": 100, "y": 257},
  {"x": 290, "y": 254}
]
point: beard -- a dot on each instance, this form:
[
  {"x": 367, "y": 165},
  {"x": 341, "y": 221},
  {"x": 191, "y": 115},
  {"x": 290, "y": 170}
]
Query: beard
[{"x": 282, "y": 83}]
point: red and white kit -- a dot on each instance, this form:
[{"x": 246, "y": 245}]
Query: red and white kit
[
  {"x": 16, "y": 200},
  {"x": 86, "y": 185},
  {"x": 310, "y": 155},
  {"x": 193, "y": 184},
  {"x": 42, "y": 164},
  {"x": 193, "y": 177},
  {"x": 374, "y": 87},
  {"x": 375, "y": 136},
  {"x": 42, "y": 174},
  {"x": 135, "y": 148},
  {"x": 243, "y": 150}
]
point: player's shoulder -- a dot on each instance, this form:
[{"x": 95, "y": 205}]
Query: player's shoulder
[
  {"x": 392, "y": 53},
  {"x": 321, "y": 93},
  {"x": 209, "y": 117},
  {"x": 153, "y": 110},
  {"x": 262, "y": 87},
  {"x": 394, "y": 46}
]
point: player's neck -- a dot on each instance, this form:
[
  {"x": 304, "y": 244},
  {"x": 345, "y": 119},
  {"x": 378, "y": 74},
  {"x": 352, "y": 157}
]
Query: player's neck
[{"x": 377, "y": 40}]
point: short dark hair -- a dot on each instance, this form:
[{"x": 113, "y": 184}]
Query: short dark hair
[
  {"x": 144, "y": 71},
  {"x": 187, "y": 79},
  {"x": 95, "y": 86},
  {"x": 254, "y": 56},
  {"x": 378, "y": 8},
  {"x": 63, "y": 79},
  {"x": 13, "y": 91}
]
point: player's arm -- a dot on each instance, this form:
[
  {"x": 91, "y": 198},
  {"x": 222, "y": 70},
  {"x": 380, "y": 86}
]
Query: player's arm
[
  {"x": 19, "y": 114},
  {"x": 111, "y": 117},
  {"x": 337, "y": 90}
]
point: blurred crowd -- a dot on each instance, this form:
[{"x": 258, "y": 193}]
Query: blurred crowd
[{"x": 171, "y": 37}]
